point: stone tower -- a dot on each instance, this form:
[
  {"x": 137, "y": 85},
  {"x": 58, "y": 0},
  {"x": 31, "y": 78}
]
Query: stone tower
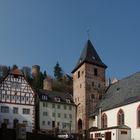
[
  {"x": 47, "y": 84},
  {"x": 88, "y": 84},
  {"x": 35, "y": 70}
]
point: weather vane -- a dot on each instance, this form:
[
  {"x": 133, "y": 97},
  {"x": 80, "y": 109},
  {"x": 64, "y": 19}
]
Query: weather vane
[{"x": 88, "y": 33}]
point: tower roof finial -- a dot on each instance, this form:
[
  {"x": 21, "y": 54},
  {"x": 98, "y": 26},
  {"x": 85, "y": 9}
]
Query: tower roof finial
[{"x": 88, "y": 33}]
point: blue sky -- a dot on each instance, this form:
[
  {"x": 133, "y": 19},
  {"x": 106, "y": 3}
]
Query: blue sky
[{"x": 46, "y": 31}]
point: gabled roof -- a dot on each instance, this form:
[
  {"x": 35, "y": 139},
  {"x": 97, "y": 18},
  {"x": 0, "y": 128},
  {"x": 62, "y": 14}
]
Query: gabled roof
[
  {"x": 89, "y": 55},
  {"x": 121, "y": 93},
  {"x": 53, "y": 94}
]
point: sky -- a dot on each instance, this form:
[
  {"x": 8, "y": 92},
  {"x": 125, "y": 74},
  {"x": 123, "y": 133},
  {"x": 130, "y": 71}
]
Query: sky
[{"x": 44, "y": 32}]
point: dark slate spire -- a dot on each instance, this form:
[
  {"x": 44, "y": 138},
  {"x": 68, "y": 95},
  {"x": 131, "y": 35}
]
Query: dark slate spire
[{"x": 89, "y": 55}]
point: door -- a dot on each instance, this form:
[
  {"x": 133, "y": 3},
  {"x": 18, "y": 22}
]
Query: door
[
  {"x": 108, "y": 136},
  {"x": 15, "y": 122}
]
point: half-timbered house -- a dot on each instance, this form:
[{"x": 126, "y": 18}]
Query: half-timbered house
[{"x": 17, "y": 101}]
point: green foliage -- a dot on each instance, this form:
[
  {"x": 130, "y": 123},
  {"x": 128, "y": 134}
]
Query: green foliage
[
  {"x": 3, "y": 71},
  {"x": 14, "y": 67},
  {"x": 65, "y": 85},
  {"x": 58, "y": 72},
  {"x": 37, "y": 82}
]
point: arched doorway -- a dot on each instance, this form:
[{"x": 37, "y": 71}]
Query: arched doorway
[
  {"x": 15, "y": 122},
  {"x": 80, "y": 125}
]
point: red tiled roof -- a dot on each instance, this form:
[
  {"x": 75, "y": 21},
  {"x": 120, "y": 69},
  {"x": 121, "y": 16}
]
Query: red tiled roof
[{"x": 16, "y": 71}]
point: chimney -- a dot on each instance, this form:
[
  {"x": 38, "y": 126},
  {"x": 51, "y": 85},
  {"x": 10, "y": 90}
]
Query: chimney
[{"x": 47, "y": 84}]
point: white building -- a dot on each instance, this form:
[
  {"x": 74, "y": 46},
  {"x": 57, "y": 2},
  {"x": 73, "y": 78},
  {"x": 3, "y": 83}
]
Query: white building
[
  {"x": 120, "y": 106},
  {"x": 56, "y": 110},
  {"x": 17, "y": 101}
]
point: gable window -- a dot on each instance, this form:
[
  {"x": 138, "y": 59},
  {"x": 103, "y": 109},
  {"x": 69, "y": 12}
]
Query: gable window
[
  {"x": 120, "y": 117},
  {"x": 104, "y": 121},
  {"x": 68, "y": 100},
  {"x": 138, "y": 116},
  {"x": 57, "y": 99},
  {"x": 95, "y": 71}
]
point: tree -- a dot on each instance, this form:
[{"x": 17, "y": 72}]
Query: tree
[
  {"x": 58, "y": 74},
  {"x": 3, "y": 71},
  {"x": 14, "y": 67}
]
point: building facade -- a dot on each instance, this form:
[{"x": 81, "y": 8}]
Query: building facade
[
  {"x": 120, "y": 106},
  {"x": 57, "y": 111},
  {"x": 17, "y": 101},
  {"x": 88, "y": 85}
]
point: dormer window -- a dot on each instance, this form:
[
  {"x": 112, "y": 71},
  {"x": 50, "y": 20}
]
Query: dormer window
[
  {"x": 68, "y": 100},
  {"x": 93, "y": 57},
  {"x": 57, "y": 99},
  {"x": 44, "y": 97}
]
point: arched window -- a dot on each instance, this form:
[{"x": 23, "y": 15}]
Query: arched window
[
  {"x": 104, "y": 121},
  {"x": 120, "y": 117},
  {"x": 138, "y": 116}
]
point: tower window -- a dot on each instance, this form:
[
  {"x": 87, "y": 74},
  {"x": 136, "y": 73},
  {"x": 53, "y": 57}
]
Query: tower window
[
  {"x": 93, "y": 84},
  {"x": 92, "y": 96},
  {"x": 95, "y": 71},
  {"x": 78, "y": 74}
]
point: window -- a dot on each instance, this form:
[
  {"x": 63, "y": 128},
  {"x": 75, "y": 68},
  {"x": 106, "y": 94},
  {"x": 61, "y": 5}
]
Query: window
[
  {"x": 95, "y": 71},
  {"x": 92, "y": 96},
  {"x": 53, "y": 105},
  {"x": 78, "y": 74},
  {"x": 138, "y": 116},
  {"x": 4, "y": 109},
  {"x": 120, "y": 117},
  {"x": 68, "y": 100},
  {"x": 70, "y": 116},
  {"x": 53, "y": 114},
  {"x": 43, "y": 122},
  {"x": 49, "y": 123},
  {"x": 45, "y": 113},
  {"x": 65, "y": 107},
  {"x": 44, "y": 97},
  {"x": 65, "y": 115},
  {"x": 58, "y": 106},
  {"x": 70, "y": 107},
  {"x": 15, "y": 110},
  {"x": 26, "y": 111},
  {"x": 59, "y": 115},
  {"x": 104, "y": 121},
  {"x": 25, "y": 122},
  {"x": 45, "y": 104},
  {"x": 53, "y": 124},
  {"x": 58, "y": 124},
  {"x": 6, "y": 121}
]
